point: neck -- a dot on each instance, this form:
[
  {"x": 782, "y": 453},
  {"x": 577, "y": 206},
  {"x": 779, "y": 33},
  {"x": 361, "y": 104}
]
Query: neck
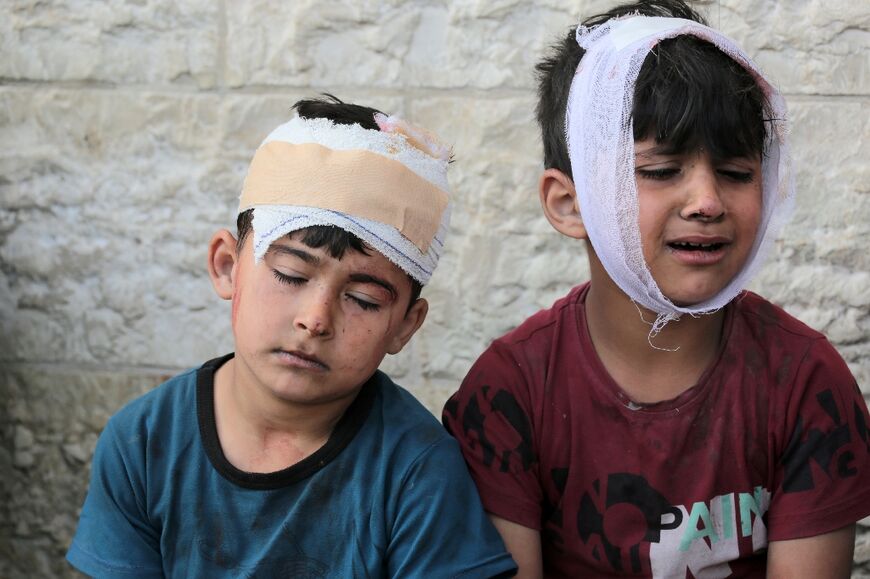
[
  {"x": 260, "y": 432},
  {"x": 648, "y": 369}
]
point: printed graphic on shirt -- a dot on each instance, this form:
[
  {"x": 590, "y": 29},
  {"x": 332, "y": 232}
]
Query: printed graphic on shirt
[
  {"x": 827, "y": 449},
  {"x": 503, "y": 405},
  {"x": 596, "y": 514},
  {"x": 709, "y": 536},
  {"x": 628, "y": 519}
]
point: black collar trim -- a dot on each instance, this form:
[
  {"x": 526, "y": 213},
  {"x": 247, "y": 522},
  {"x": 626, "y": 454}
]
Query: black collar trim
[{"x": 344, "y": 432}]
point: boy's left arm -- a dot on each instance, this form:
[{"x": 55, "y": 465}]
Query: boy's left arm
[
  {"x": 440, "y": 528},
  {"x": 822, "y": 481},
  {"x": 827, "y": 556}
]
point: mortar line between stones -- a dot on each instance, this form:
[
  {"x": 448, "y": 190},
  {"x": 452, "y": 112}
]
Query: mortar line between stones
[
  {"x": 142, "y": 370},
  {"x": 267, "y": 90},
  {"x": 283, "y": 90}
]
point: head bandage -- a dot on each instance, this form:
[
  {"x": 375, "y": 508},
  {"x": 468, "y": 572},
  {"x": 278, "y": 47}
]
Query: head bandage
[
  {"x": 387, "y": 187},
  {"x": 601, "y": 149}
]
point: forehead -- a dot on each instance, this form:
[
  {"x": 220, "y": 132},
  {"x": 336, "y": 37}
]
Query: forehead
[{"x": 351, "y": 261}]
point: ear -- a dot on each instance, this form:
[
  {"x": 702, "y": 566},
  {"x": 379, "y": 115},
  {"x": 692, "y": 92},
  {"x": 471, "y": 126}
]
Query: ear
[
  {"x": 408, "y": 326},
  {"x": 222, "y": 262},
  {"x": 559, "y": 201}
]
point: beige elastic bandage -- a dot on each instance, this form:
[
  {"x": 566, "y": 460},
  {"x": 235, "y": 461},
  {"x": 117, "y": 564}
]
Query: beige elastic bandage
[{"x": 387, "y": 187}]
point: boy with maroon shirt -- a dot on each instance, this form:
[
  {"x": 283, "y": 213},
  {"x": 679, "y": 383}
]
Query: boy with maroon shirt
[{"x": 658, "y": 420}]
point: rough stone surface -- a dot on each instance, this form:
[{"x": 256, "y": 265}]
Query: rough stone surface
[
  {"x": 127, "y": 127},
  {"x": 115, "y": 42},
  {"x": 391, "y": 44},
  {"x": 813, "y": 47},
  {"x": 54, "y": 414}
]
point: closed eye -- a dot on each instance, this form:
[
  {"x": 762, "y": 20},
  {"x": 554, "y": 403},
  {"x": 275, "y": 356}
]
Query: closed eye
[
  {"x": 364, "y": 304},
  {"x": 661, "y": 174},
  {"x": 288, "y": 279},
  {"x": 738, "y": 176}
]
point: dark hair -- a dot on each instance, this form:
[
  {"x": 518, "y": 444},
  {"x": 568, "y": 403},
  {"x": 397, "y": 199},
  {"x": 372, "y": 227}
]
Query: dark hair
[
  {"x": 336, "y": 240},
  {"x": 688, "y": 92}
]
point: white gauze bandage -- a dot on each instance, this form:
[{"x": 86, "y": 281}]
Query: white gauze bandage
[
  {"x": 601, "y": 149},
  {"x": 388, "y": 187}
]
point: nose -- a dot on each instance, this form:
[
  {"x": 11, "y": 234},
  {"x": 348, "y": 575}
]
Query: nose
[
  {"x": 703, "y": 197},
  {"x": 314, "y": 315}
]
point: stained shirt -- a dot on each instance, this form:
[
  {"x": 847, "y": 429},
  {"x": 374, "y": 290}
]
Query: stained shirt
[
  {"x": 387, "y": 496},
  {"x": 772, "y": 443}
]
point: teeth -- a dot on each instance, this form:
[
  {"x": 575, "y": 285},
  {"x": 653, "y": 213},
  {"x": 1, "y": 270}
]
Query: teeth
[{"x": 687, "y": 245}]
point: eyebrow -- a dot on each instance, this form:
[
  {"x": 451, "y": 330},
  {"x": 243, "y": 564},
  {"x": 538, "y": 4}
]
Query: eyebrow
[
  {"x": 654, "y": 151},
  {"x": 662, "y": 150},
  {"x": 303, "y": 255},
  {"x": 366, "y": 278}
]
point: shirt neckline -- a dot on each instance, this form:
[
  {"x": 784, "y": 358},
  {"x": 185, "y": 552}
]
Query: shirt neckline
[
  {"x": 343, "y": 433},
  {"x": 664, "y": 408}
]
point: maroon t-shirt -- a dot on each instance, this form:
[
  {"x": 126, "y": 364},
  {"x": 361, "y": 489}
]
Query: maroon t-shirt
[{"x": 773, "y": 443}]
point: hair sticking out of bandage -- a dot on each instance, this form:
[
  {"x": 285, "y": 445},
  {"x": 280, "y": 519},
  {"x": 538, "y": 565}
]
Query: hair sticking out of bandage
[
  {"x": 388, "y": 187},
  {"x": 601, "y": 151}
]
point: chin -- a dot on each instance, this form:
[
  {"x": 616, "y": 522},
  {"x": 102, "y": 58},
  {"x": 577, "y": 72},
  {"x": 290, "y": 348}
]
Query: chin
[{"x": 691, "y": 299}]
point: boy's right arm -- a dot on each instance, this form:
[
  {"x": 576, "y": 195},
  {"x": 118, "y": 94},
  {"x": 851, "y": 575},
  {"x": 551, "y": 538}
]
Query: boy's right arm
[
  {"x": 489, "y": 417},
  {"x": 114, "y": 537},
  {"x": 524, "y": 545}
]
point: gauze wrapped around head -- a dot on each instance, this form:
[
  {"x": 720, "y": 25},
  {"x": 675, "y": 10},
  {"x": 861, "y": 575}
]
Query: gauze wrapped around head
[
  {"x": 388, "y": 187},
  {"x": 600, "y": 141}
]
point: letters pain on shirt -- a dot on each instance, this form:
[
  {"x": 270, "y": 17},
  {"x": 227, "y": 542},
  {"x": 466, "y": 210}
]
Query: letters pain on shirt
[{"x": 622, "y": 522}]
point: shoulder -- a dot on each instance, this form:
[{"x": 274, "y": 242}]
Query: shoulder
[
  {"x": 763, "y": 328},
  {"x": 403, "y": 417},
  {"x": 542, "y": 325},
  {"x": 763, "y": 315},
  {"x": 809, "y": 384},
  {"x": 816, "y": 420},
  {"x": 405, "y": 441},
  {"x": 158, "y": 405},
  {"x": 144, "y": 427},
  {"x": 527, "y": 350}
]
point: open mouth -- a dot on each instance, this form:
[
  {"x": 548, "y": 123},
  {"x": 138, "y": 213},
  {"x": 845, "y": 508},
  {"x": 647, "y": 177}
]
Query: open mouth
[{"x": 687, "y": 246}]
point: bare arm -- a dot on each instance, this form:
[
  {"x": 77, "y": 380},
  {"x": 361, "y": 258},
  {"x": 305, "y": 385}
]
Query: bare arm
[
  {"x": 524, "y": 545},
  {"x": 827, "y": 556}
]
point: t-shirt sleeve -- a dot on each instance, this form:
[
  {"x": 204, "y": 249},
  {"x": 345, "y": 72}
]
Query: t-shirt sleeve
[
  {"x": 114, "y": 537},
  {"x": 490, "y": 417},
  {"x": 440, "y": 528},
  {"x": 822, "y": 475}
]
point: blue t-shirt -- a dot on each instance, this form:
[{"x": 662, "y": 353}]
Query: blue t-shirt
[{"x": 388, "y": 495}]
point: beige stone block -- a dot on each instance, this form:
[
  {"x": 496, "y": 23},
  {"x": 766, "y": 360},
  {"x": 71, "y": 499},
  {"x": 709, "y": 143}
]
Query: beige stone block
[
  {"x": 109, "y": 225},
  {"x": 152, "y": 41},
  {"x": 497, "y": 159},
  {"x": 805, "y": 47},
  {"x": 55, "y": 415},
  {"x": 862, "y": 549},
  {"x": 389, "y": 44},
  {"x": 830, "y": 140}
]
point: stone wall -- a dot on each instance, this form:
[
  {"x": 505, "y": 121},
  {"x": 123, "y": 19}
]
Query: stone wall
[{"x": 126, "y": 128}]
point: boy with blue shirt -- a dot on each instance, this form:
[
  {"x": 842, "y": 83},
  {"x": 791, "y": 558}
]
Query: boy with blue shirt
[
  {"x": 295, "y": 456},
  {"x": 660, "y": 421}
]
